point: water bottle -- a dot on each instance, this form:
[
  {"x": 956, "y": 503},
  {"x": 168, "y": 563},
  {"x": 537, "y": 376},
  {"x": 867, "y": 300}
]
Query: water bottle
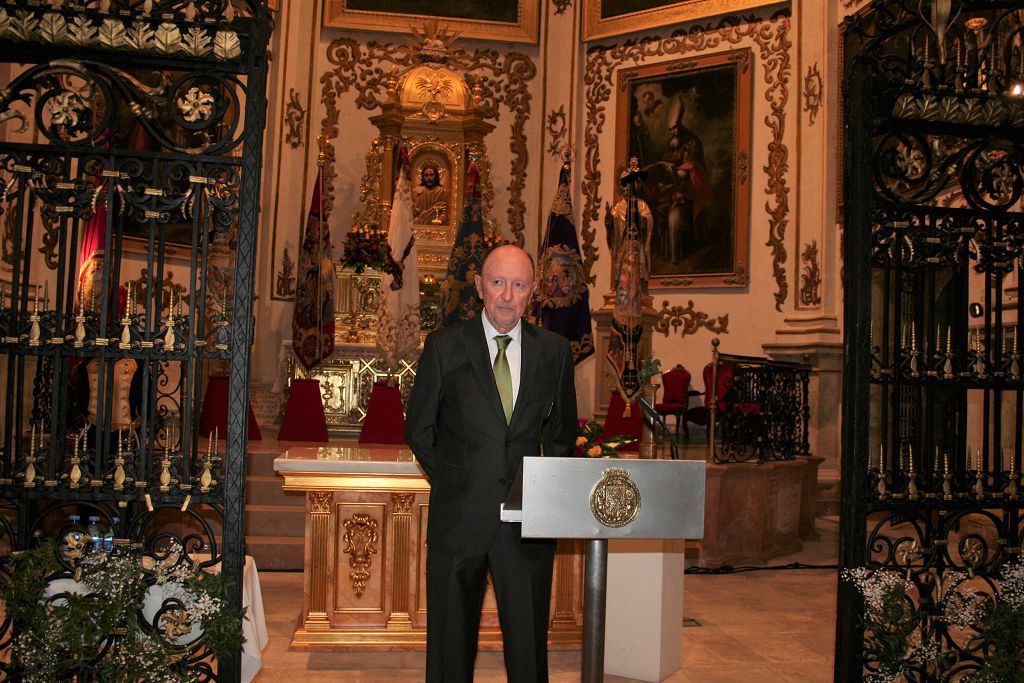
[
  {"x": 108, "y": 537},
  {"x": 75, "y": 521},
  {"x": 95, "y": 533}
]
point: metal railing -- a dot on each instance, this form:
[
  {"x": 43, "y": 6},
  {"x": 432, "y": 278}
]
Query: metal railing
[{"x": 758, "y": 409}]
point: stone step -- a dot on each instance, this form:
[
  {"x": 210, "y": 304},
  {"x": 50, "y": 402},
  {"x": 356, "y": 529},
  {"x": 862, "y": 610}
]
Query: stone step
[
  {"x": 268, "y": 490},
  {"x": 275, "y": 520},
  {"x": 275, "y": 553},
  {"x": 260, "y": 461}
]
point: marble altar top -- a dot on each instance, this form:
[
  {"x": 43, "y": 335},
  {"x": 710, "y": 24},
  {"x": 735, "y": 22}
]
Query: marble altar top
[{"x": 349, "y": 458}]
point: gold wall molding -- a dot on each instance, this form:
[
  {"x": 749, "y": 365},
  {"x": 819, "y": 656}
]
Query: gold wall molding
[
  {"x": 813, "y": 92},
  {"x": 500, "y": 81},
  {"x": 360, "y": 545},
  {"x": 687, "y": 320},
  {"x": 810, "y": 279},
  {"x": 771, "y": 35},
  {"x": 558, "y": 129},
  {"x": 294, "y": 120}
]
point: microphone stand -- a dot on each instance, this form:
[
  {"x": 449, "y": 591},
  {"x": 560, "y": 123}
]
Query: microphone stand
[{"x": 655, "y": 419}]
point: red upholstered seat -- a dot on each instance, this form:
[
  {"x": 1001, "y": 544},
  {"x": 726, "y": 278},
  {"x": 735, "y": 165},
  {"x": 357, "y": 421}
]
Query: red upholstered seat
[
  {"x": 384, "y": 421},
  {"x": 213, "y": 416},
  {"x": 304, "y": 418},
  {"x": 617, "y": 424},
  {"x": 675, "y": 396},
  {"x": 723, "y": 393}
]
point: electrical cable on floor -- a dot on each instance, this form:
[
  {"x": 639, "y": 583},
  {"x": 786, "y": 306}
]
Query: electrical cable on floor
[{"x": 729, "y": 569}]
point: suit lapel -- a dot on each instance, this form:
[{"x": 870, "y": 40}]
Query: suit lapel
[
  {"x": 527, "y": 368},
  {"x": 480, "y": 359}
]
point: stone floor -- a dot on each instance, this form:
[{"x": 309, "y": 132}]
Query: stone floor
[{"x": 763, "y": 626}]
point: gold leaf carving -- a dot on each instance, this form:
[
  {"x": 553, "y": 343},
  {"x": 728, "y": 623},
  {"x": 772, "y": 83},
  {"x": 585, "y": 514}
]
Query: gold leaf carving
[
  {"x": 196, "y": 42},
  {"x": 112, "y": 34},
  {"x": 82, "y": 32},
  {"x": 401, "y": 503},
  {"x": 501, "y": 81},
  {"x": 139, "y": 36},
  {"x": 226, "y": 45},
  {"x": 686, "y": 320},
  {"x": 772, "y": 37},
  {"x": 294, "y": 119},
  {"x": 53, "y": 28},
  {"x": 167, "y": 39},
  {"x": 320, "y": 501},
  {"x": 5, "y": 22},
  {"x": 360, "y": 539}
]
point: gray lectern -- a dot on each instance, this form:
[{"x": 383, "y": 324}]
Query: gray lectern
[{"x": 598, "y": 499}]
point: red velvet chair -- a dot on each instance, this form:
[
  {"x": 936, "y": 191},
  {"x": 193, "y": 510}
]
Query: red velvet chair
[
  {"x": 675, "y": 397},
  {"x": 723, "y": 394},
  {"x": 617, "y": 424}
]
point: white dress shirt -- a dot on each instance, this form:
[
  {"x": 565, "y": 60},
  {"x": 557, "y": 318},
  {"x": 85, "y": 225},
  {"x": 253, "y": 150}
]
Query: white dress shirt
[{"x": 513, "y": 352}]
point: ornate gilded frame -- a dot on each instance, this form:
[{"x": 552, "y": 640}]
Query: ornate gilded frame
[
  {"x": 596, "y": 26},
  {"x": 705, "y": 74},
  {"x": 525, "y": 29}
]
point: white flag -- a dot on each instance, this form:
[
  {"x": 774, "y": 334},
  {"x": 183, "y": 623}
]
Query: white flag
[{"x": 398, "y": 334}]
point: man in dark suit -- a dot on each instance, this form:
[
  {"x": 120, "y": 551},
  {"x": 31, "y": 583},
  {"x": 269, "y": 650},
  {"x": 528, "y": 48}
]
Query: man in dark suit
[{"x": 488, "y": 391}]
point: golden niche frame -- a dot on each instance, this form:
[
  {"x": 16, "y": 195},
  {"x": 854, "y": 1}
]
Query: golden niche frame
[
  {"x": 396, "y": 16},
  {"x": 689, "y": 123},
  {"x": 606, "y": 18}
]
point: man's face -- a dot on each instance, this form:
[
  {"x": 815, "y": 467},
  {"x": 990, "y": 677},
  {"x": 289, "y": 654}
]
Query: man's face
[
  {"x": 506, "y": 286},
  {"x": 428, "y": 178}
]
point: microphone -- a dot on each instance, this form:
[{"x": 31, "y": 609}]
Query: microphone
[
  {"x": 656, "y": 419},
  {"x": 543, "y": 421}
]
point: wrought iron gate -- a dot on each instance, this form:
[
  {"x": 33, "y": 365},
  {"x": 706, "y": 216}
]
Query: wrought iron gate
[
  {"x": 129, "y": 195},
  {"x": 933, "y": 385}
]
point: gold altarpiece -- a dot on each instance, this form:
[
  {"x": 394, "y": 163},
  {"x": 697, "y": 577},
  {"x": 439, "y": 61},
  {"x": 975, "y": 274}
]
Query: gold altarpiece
[{"x": 438, "y": 116}]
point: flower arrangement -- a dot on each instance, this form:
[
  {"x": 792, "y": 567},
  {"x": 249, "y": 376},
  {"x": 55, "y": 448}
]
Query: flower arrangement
[
  {"x": 992, "y": 626},
  {"x": 93, "y": 627},
  {"x": 995, "y": 624},
  {"x": 366, "y": 246},
  {"x": 890, "y": 626},
  {"x": 590, "y": 444}
]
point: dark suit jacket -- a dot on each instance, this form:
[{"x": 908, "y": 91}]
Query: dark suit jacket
[{"x": 456, "y": 428}]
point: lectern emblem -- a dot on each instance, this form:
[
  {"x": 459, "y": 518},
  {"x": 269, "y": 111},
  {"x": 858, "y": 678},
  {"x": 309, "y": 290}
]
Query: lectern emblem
[{"x": 615, "y": 500}]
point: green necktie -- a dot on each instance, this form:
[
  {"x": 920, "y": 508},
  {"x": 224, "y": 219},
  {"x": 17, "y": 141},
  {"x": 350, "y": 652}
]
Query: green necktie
[{"x": 503, "y": 375}]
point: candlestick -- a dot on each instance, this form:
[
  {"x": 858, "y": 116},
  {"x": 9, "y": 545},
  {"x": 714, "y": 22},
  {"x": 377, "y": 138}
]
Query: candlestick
[
  {"x": 882, "y": 474},
  {"x": 947, "y": 484}
]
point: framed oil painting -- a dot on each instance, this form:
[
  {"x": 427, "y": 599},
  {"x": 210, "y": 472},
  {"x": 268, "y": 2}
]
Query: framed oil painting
[
  {"x": 688, "y": 122},
  {"x": 605, "y": 18},
  {"x": 513, "y": 21}
]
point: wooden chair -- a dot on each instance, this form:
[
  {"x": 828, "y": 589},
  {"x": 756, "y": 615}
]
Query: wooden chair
[{"x": 675, "y": 397}]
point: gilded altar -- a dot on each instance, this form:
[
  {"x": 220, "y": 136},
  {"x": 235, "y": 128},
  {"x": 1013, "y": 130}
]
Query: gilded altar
[{"x": 364, "y": 584}]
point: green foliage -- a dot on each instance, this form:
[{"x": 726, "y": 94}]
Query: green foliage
[{"x": 95, "y": 632}]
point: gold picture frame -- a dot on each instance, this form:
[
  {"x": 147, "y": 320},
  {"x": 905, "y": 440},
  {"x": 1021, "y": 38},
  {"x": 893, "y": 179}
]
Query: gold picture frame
[
  {"x": 606, "y": 18},
  {"x": 688, "y": 122},
  {"x": 518, "y": 23}
]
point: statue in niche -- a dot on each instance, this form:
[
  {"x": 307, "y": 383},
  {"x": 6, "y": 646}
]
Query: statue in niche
[{"x": 430, "y": 198}]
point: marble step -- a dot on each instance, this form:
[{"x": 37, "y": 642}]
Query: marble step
[
  {"x": 275, "y": 553},
  {"x": 268, "y": 490},
  {"x": 275, "y": 520}
]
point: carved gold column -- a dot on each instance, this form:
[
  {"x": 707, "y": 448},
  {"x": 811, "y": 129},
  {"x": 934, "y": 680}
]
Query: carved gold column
[
  {"x": 319, "y": 504},
  {"x": 564, "y": 619},
  {"x": 401, "y": 515}
]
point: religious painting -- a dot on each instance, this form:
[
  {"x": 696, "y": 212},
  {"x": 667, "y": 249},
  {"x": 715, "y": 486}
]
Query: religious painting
[
  {"x": 605, "y": 18},
  {"x": 513, "y": 21},
  {"x": 432, "y": 195},
  {"x": 688, "y": 122}
]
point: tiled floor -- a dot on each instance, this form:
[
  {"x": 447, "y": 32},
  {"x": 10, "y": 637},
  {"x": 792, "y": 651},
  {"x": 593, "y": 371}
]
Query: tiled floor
[{"x": 761, "y": 626}]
